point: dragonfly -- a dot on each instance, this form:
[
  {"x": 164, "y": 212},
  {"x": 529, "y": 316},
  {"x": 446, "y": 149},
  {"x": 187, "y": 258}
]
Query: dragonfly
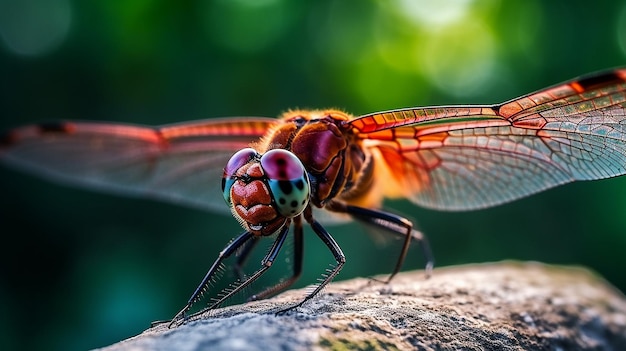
[{"x": 280, "y": 174}]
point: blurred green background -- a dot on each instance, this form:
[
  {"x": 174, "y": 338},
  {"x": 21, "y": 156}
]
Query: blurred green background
[{"x": 83, "y": 270}]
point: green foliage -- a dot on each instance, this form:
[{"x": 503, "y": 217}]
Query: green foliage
[{"x": 82, "y": 270}]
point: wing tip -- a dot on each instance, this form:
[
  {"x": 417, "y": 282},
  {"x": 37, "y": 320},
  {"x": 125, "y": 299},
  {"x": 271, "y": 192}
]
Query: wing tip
[
  {"x": 13, "y": 137},
  {"x": 7, "y": 139},
  {"x": 56, "y": 127},
  {"x": 586, "y": 83}
]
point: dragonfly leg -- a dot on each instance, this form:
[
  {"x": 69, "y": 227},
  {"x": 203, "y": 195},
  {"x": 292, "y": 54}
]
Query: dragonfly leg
[
  {"x": 395, "y": 224},
  {"x": 334, "y": 249},
  {"x": 266, "y": 263},
  {"x": 232, "y": 247},
  {"x": 243, "y": 255},
  {"x": 297, "y": 264}
]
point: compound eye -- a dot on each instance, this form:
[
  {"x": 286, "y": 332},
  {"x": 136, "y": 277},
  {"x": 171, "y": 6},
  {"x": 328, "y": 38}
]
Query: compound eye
[
  {"x": 238, "y": 160},
  {"x": 288, "y": 181}
]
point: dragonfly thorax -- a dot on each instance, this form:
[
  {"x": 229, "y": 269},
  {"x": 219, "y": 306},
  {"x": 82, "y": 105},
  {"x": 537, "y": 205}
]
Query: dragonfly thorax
[
  {"x": 326, "y": 146},
  {"x": 263, "y": 191}
]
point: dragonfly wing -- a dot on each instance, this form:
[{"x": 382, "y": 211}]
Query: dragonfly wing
[
  {"x": 470, "y": 157},
  {"x": 180, "y": 163}
]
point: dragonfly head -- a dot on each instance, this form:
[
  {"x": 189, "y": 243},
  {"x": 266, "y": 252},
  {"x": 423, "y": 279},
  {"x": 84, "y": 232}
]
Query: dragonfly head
[{"x": 263, "y": 191}]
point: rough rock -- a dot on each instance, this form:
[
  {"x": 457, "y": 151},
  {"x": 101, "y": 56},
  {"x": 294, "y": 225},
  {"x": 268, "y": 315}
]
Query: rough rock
[{"x": 497, "y": 306}]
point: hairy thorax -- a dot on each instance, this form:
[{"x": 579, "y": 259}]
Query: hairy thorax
[{"x": 337, "y": 164}]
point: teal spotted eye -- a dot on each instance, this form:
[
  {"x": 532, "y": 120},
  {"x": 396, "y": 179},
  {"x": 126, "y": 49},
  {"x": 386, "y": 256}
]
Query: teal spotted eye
[
  {"x": 288, "y": 181},
  {"x": 238, "y": 160}
]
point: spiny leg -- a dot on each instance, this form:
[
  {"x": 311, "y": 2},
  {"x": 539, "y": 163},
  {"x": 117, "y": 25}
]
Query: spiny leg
[
  {"x": 334, "y": 249},
  {"x": 394, "y": 224},
  {"x": 266, "y": 263},
  {"x": 298, "y": 240},
  {"x": 232, "y": 247}
]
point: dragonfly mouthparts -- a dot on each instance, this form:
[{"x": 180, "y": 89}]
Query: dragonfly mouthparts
[{"x": 255, "y": 227}]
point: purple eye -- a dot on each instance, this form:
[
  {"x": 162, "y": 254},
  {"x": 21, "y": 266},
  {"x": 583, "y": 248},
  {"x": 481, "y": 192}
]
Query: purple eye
[
  {"x": 238, "y": 160},
  {"x": 280, "y": 164}
]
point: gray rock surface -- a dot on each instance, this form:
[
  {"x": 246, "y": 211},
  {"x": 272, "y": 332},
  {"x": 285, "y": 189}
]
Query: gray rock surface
[{"x": 497, "y": 306}]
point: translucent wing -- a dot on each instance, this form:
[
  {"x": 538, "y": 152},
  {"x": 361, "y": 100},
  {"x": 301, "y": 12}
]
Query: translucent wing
[
  {"x": 469, "y": 157},
  {"x": 182, "y": 163}
]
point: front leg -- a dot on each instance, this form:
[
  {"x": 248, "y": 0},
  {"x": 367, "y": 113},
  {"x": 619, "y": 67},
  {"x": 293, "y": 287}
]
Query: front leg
[
  {"x": 243, "y": 255},
  {"x": 232, "y": 247},
  {"x": 334, "y": 248},
  {"x": 298, "y": 254},
  {"x": 266, "y": 263}
]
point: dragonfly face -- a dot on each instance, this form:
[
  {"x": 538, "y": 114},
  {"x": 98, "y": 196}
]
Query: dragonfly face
[
  {"x": 264, "y": 190},
  {"x": 278, "y": 170}
]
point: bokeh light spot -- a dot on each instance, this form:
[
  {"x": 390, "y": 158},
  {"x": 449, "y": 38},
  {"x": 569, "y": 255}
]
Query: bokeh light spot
[
  {"x": 460, "y": 60},
  {"x": 434, "y": 14},
  {"x": 452, "y": 45},
  {"x": 34, "y": 27}
]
